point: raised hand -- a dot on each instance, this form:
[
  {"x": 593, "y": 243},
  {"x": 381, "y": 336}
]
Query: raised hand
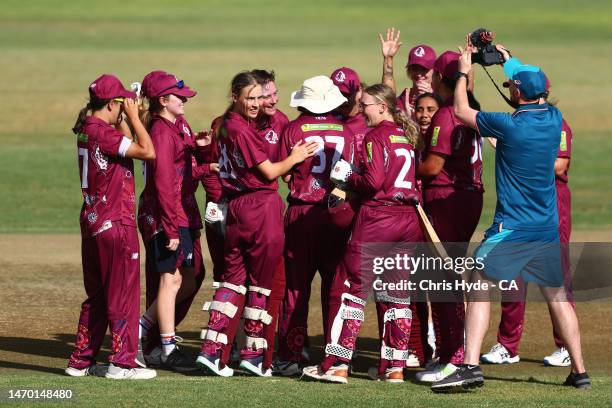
[{"x": 391, "y": 44}]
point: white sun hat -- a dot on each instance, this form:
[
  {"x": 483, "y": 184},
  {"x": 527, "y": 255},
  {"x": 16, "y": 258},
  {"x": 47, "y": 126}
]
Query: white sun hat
[{"x": 318, "y": 95}]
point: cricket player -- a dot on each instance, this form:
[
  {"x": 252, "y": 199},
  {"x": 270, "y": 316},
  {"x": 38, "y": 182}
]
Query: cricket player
[
  {"x": 254, "y": 235},
  {"x": 452, "y": 193},
  {"x": 385, "y": 216},
  {"x": 169, "y": 217},
  {"x": 312, "y": 243},
  {"x": 505, "y": 351},
  {"x": 110, "y": 249},
  {"x": 523, "y": 241},
  {"x": 270, "y": 124},
  {"x": 419, "y": 69}
]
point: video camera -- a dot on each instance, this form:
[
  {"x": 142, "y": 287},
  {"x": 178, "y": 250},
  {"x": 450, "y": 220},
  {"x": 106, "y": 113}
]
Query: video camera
[{"x": 487, "y": 54}]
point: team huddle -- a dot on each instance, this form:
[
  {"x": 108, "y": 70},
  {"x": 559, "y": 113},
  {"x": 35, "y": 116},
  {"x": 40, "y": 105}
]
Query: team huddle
[{"x": 356, "y": 160}]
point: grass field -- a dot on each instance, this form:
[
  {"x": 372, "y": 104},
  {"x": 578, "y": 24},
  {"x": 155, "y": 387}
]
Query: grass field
[
  {"x": 40, "y": 310},
  {"x": 51, "y": 50}
]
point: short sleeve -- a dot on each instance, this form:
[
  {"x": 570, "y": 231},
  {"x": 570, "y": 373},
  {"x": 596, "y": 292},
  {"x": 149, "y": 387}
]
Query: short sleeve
[
  {"x": 565, "y": 145},
  {"x": 441, "y": 134},
  {"x": 251, "y": 148},
  {"x": 493, "y": 124},
  {"x": 113, "y": 143},
  {"x": 287, "y": 142}
]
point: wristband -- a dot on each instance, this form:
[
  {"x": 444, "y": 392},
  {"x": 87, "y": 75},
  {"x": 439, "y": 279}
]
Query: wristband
[{"x": 461, "y": 74}]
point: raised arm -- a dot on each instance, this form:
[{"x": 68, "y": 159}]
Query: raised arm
[{"x": 389, "y": 47}]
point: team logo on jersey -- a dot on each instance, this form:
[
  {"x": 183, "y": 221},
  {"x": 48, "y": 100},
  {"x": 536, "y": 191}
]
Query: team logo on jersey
[
  {"x": 186, "y": 130},
  {"x": 398, "y": 139},
  {"x": 238, "y": 158},
  {"x": 419, "y": 52},
  {"x": 89, "y": 200},
  {"x": 92, "y": 217},
  {"x": 272, "y": 137},
  {"x": 101, "y": 159},
  {"x": 398, "y": 197},
  {"x": 340, "y": 76},
  {"x": 315, "y": 184},
  {"x": 434, "y": 137},
  {"x": 369, "y": 151},
  {"x": 563, "y": 145},
  {"x": 149, "y": 219}
]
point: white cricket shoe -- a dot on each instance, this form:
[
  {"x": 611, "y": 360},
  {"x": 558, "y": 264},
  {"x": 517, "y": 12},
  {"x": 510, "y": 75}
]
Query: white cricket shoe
[
  {"x": 286, "y": 368},
  {"x": 499, "y": 354},
  {"x": 560, "y": 358},
  {"x": 211, "y": 365},
  {"x": 413, "y": 361},
  {"x": 338, "y": 373},
  {"x": 437, "y": 373},
  {"x": 255, "y": 366},
  {"x": 95, "y": 370},
  {"x": 119, "y": 373}
]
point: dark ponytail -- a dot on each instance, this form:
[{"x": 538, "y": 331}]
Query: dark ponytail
[{"x": 93, "y": 105}]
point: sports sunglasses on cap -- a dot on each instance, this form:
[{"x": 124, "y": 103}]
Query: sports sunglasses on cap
[{"x": 180, "y": 85}]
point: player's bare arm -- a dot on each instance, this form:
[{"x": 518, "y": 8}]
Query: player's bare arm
[
  {"x": 142, "y": 148},
  {"x": 300, "y": 152},
  {"x": 389, "y": 47},
  {"x": 432, "y": 166},
  {"x": 561, "y": 165}
]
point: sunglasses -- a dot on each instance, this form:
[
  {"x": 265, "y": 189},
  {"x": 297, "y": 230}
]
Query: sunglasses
[
  {"x": 180, "y": 85},
  {"x": 362, "y": 105}
]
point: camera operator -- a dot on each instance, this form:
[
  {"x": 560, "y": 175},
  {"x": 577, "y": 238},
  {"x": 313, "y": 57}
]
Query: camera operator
[{"x": 526, "y": 212}]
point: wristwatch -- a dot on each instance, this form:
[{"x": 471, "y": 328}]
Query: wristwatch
[{"x": 461, "y": 74}]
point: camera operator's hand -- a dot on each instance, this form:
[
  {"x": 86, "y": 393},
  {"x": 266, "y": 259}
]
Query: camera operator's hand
[
  {"x": 465, "y": 60},
  {"x": 503, "y": 51},
  {"x": 391, "y": 44}
]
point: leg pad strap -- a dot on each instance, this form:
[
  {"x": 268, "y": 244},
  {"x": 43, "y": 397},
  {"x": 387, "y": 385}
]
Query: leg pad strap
[
  {"x": 226, "y": 308},
  {"x": 213, "y": 335}
]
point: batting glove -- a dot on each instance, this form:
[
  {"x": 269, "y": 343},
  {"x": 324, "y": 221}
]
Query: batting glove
[
  {"x": 341, "y": 172},
  {"x": 214, "y": 213}
]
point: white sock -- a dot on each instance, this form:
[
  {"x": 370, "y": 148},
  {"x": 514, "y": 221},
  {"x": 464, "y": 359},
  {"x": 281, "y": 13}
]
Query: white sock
[
  {"x": 168, "y": 342},
  {"x": 145, "y": 323}
]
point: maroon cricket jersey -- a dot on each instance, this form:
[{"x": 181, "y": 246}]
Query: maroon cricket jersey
[
  {"x": 565, "y": 150},
  {"x": 310, "y": 183},
  {"x": 168, "y": 199},
  {"x": 461, "y": 147},
  {"x": 107, "y": 177},
  {"x": 357, "y": 125},
  {"x": 211, "y": 180},
  {"x": 389, "y": 167},
  {"x": 270, "y": 129},
  {"x": 240, "y": 150}
]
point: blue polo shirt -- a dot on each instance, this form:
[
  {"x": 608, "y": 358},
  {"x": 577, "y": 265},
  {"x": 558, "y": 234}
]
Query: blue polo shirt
[{"x": 527, "y": 143}]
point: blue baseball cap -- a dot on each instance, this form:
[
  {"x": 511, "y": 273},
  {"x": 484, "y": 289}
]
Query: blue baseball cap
[{"x": 529, "y": 79}]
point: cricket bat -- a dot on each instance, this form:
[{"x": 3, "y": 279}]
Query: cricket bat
[{"x": 430, "y": 233}]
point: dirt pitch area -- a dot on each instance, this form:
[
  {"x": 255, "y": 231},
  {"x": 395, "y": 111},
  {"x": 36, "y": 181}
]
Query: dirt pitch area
[{"x": 41, "y": 291}]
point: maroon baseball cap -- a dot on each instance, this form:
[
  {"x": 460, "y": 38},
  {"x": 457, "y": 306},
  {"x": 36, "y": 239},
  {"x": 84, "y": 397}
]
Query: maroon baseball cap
[
  {"x": 422, "y": 55},
  {"x": 160, "y": 83},
  {"x": 447, "y": 64},
  {"x": 108, "y": 87},
  {"x": 346, "y": 80}
]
